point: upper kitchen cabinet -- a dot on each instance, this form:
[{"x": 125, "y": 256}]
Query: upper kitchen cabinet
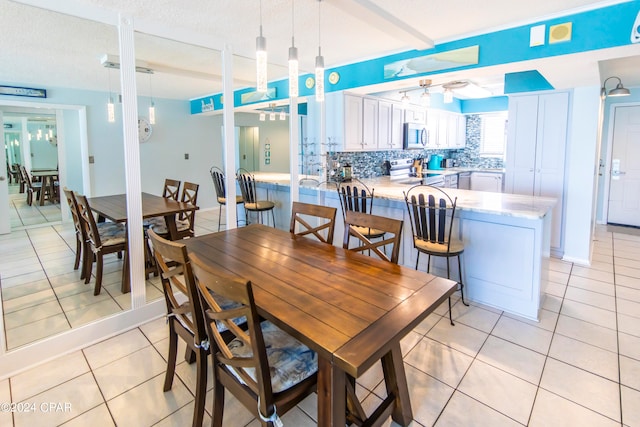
[
  {"x": 446, "y": 130},
  {"x": 390, "y": 121},
  {"x": 415, "y": 114},
  {"x": 536, "y": 145},
  {"x": 361, "y": 123}
]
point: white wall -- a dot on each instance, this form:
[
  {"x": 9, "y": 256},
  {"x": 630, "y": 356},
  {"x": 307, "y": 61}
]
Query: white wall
[
  {"x": 579, "y": 177},
  {"x": 277, "y": 134}
]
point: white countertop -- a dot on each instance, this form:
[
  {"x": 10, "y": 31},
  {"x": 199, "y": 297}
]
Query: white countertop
[{"x": 503, "y": 204}]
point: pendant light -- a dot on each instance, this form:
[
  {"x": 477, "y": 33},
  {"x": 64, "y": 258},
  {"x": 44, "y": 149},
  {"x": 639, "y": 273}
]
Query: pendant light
[
  {"x": 263, "y": 117},
  {"x": 283, "y": 116},
  {"x": 111, "y": 108},
  {"x": 425, "y": 98},
  {"x": 319, "y": 66},
  {"x": 293, "y": 60},
  {"x": 152, "y": 105},
  {"x": 272, "y": 114},
  {"x": 405, "y": 97},
  {"x": 448, "y": 96},
  {"x": 619, "y": 90},
  {"x": 261, "y": 59}
]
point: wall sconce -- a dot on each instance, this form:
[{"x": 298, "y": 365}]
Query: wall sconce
[{"x": 619, "y": 90}]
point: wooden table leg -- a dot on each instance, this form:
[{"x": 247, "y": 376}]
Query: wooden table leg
[
  {"x": 170, "y": 220},
  {"x": 331, "y": 394},
  {"x": 396, "y": 383},
  {"x": 43, "y": 189}
]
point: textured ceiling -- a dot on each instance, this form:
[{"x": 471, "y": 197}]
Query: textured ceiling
[{"x": 49, "y": 49}]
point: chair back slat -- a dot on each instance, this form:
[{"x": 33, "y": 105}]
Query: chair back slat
[
  {"x": 357, "y": 221},
  {"x": 303, "y": 212},
  {"x": 247, "y": 187},
  {"x": 189, "y": 195},
  {"x": 73, "y": 208},
  {"x": 355, "y": 196}
]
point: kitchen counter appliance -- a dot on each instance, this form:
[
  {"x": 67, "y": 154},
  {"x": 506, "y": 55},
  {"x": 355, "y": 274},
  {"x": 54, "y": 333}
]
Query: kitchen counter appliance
[
  {"x": 435, "y": 162},
  {"x": 414, "y": 136}
]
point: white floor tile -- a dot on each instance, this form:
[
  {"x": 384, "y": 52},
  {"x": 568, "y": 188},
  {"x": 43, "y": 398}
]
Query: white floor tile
[
  {"x": 123, "y": 374},
  {"x": 589, "y": 313},
  {"x": 475, "y": 317},
  {"x": 465, "y": 411},
  {"x": 592, "y": 285},
  {"x": 440, "y": 361},
  {"x": 582, "y": 387},
  {"x": 499, "y": 390},
  {"x": 630, "y": 282},
  {"x": 630, "y": 372},
  {"x": 628, "y": 325},
  {"x": 630, "y": 407},
  {"x": 96, "y": 417},
  {"x": 79, "y": 395},
  {"x": 585, "y": 356},
  {"x": 512, "y": 358},
  {"x": 460, "y": 337},
  {"x": 48, "y": 375},
  {"x": 589, "y": 333},
  {"x": 151, "y": 403},
  {"x": 629, "y": 345},
  {"x": 115, "y": 348},
  {"x": 596, "y": 299},
  {"x": 183, "y": 417},
  {"x": 520, "y": 333},
  {"x": 5, "y": 397},
  {"x": 553, "y": 410}
]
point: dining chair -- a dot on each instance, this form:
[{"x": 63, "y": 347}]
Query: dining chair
[
  {"x": 81, "y": 237},
  {"x": 303, "y": 214},
  {"x": 265, "y": 368},
  {"x": 250, "y": 197},
  {"x": 31, "y": 188},
  {"x": 171, "y": 189},
  {"x": 431, "y": 212},
  {"x": 185, "y": 222},
  {"x": 355, "y": 196},
  {"x": 109, "y": 238},
  {"x": 217, "y": 175},
  {"x": 357, "y": 223},
  {"x": 185, "y": 318}
]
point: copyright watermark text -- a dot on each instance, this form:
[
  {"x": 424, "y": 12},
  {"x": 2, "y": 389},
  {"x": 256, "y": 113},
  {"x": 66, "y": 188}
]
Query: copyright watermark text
[{"x": 44, "y": 407}]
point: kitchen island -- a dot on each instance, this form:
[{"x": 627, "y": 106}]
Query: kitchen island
[{"x": 506, "y": 236}]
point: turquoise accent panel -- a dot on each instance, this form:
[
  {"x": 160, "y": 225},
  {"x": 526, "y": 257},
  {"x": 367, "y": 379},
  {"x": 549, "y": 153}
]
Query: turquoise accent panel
[
  {"x": 525, "y": 81},
  {"x": 485, "y": 105},
  {"x": 302, "y": 109},
  {"x": 602, "y": 28}
]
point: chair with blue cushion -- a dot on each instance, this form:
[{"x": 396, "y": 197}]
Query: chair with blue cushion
[{"x": 265, "y": 368}]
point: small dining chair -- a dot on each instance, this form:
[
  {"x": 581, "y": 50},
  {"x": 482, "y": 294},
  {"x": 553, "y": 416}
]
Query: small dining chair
[
  {"x": 217, "y": 175},
  {"x": 185, "y": 222},
  {"x": 303, "y": 214},
  {"x": 31, "y": 188},
  {"x": 357, "y": 223},
  {"x": 81, "y": 237},
  {"x": 247, "y": 184},
  {"x": 431, "y": 212},
  {"x": 184, "y": 318},
  {"x": 171, "y": 189},
  {"x": 265, "y": 368},
  {"x": 109, "y": 238}
]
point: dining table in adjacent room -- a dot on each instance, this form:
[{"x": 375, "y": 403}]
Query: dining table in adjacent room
[
  {"x": 49, "y": 178},
  {"x": 350, "y": 308},
  {"x": 114, "y": 208}
]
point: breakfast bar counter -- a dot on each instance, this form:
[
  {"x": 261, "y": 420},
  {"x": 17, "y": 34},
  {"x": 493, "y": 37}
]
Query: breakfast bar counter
[{"x": 506, "y": 236}]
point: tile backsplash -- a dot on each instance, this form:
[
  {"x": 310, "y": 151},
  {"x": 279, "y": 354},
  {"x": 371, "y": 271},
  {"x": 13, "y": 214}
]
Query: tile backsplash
[{"x": 367, "y": 164}]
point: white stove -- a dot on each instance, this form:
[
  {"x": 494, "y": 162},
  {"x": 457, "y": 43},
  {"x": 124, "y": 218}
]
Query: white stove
[{"x": 400, "y": 168}]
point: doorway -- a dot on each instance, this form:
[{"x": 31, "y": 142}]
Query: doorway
[
  {"x": 248, "y": 143},
  {"x": 624, "y": 180}
]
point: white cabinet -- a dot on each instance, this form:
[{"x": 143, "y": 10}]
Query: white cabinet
[
  {"x": 451, "y": 181},
  {"x": 415, "y": 114},
  {"x": 486, "y": 181},
  {"x": 390, "y": 121},
  {"x": 353, "y": 114},
  {"x": 446, "y": 130},
  {"x": 536, "y": 144}
]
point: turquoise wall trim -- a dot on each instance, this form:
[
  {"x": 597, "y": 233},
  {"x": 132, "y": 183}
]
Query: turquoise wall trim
[
  {"x": 525, "y": 81},
  {"x": 602, "y": 28},
  {"x": 485, "y": 105}
]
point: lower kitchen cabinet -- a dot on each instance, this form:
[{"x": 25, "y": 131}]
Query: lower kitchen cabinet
[{"x": 486, "y": 181}]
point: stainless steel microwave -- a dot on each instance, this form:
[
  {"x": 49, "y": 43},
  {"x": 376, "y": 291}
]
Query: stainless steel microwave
[{"x": 415, "y": 136}]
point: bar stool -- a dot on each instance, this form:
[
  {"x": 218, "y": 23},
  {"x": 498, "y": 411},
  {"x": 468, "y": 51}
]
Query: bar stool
[{"x": 249, "y": 195}]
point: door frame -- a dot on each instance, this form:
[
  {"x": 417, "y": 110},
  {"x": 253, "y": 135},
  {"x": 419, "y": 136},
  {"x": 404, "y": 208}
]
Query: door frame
[
  {"x": 57, "y": 109},
  {"x": 607, "y": 165}
]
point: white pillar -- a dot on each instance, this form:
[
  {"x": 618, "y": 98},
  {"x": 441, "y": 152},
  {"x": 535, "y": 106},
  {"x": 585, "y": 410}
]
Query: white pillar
[
  {"x": 228, "y": 139},
  {"x": 294, "y": 148},
  {"x": 132, "y": 160}
]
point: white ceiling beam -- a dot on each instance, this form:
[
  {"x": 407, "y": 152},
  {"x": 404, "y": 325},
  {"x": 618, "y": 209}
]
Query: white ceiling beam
[{"x": 369, "y": 12}]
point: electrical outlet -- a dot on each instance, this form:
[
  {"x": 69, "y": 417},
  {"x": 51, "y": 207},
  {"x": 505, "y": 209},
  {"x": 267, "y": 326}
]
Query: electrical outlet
[
  {"x": 186, "y": 156},
  {"x": 91, "y": 160}
]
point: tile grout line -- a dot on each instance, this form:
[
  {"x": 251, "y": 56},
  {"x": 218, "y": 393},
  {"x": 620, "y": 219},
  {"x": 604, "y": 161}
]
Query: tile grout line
[{"x": 615, "y": 301}]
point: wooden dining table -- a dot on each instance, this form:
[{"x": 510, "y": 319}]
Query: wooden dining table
[
  {"x": 352, "y": 309},
  {"x": 49, "y": 178},
  {"x": 114, "y": 208}
]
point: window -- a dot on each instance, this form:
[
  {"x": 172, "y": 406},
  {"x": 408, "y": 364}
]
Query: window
[{"x": 493, "y": 140}]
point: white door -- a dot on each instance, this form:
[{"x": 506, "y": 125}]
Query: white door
[
  {"x": 624, "y": 187},
  {"x": 5, "y": 222},
  {"x": 521, "y": 150}
]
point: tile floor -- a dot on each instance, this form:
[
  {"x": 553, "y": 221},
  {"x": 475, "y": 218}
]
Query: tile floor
[
  {"x": 22, "y": 215},
  {"x": 36, "y": 270},
  {"x": 580, "y": 365}
]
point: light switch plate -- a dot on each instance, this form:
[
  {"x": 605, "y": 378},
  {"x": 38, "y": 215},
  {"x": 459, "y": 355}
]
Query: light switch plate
[{"x": 186, "y": 156}]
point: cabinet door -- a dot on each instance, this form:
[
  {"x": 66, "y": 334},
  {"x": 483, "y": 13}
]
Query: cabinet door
[
  {"x": 443, "y": 130},
  {"x": 433, "y": 122},
  {"x": 461, "y": 134},
  {"x": 550, "y": 155},
  {"x": 483, "y": 181},
  {"x": 521, "y": 144},
  {"x": 369, "y": 124},
  {"x": 352, "y": 123},
  {"x": 397, "y": 120},
  {"x": 384, "y": 125}
]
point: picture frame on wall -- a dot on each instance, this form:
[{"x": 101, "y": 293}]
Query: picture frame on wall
[{"x": 23, "y": 91}]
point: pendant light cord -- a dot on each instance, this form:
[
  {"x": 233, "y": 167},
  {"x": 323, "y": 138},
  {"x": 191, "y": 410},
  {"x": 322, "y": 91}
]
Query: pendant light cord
[
  {"x": 319, "y": 41},
  {"x": 293, "y": 23}
]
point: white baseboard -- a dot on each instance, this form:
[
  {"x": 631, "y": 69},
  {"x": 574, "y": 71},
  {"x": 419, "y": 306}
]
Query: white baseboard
[{"x": 579, "y": 261}]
